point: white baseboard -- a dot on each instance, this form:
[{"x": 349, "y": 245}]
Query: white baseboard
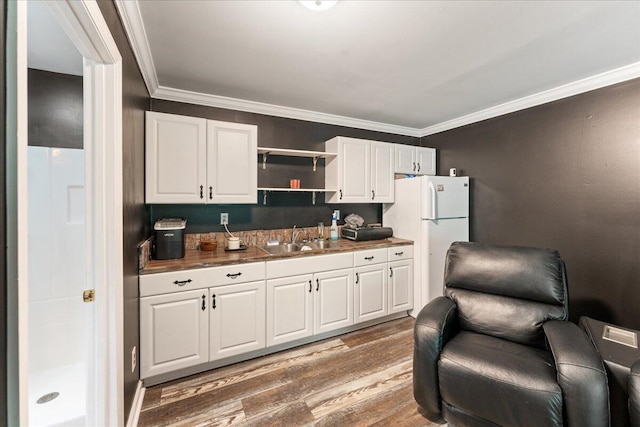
[{"x": 136, "y": 406}]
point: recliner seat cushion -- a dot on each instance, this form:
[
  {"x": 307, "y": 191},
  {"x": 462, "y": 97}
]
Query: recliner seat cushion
[{"x": 503, "y": 382}]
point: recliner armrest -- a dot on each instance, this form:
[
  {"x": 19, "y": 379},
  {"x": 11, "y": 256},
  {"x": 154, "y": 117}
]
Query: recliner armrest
[
  {"x": 581, "y": 375},
  {"x": 436, "y": 323},
  {"x": 634, "y": 394}
]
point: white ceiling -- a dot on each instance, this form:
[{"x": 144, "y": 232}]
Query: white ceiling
[
  {"x": 412, "y": 67},
  {"x": 48, "y": 46}
]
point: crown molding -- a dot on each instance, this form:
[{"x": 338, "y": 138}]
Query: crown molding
[
  {"x": 179, "y": 95},
  {"x": 134, "y": 28},
  {"x": 598, "y": 81}
]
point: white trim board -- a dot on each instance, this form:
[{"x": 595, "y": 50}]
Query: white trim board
[
  {"x": 137, "y": 35},
  {"x": 179, "y": 95},
  {"x": 598, "y": 81},
  {"x": 134, "y": 27},
  {"x": 136, "y": 406}
]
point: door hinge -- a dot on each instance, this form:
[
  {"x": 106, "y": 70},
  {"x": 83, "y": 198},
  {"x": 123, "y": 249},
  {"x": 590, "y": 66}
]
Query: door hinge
[{"x": 89, "y": 295}]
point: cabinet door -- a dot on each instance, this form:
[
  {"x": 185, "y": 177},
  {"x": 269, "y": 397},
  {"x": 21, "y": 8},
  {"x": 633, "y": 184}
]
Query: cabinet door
[
  {"x": 174, "y": 332},
  {"x": 370, "y": 292},
  {"x": 237, "y": 318},
  {"x": 405, "y": 159},
  {"x": 232, "y": 175},
  {"x": 382, "y": 172},
  {"x": 289, "y": 309},
  {"x": 333, "y": 300},
  {"x": 400, "y": 286},
  {"x": 354, "y": 171},
  {"x": 426, "y": 159},
  {"x": 175, "y": 158}
]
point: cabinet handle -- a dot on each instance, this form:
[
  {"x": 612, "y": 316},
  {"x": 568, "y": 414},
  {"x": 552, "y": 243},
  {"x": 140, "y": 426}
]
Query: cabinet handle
[
  {"x": 201, "y": 194},
  {"x": 368, "y": 258},
  {"x": 399, "y": 253},
  {"x": 340, "y": 194},
  {"x": 373, "y": 194},
  {"x": 390, "y": 271},
  {"x": 204, "y": 307},
  {"x": 317, "y": 284},
  {"x": 357, "y": 278},
  {"x": 182, "y": 282},
  {"x": 234, "y": 276},
  {"x": 213, "y": 302},
  {"x": 210, "y": 192},
  {"x": 310, "y": 286},
  {"x": 414, "y": 166},
  {"x": 418, "y": 167}
]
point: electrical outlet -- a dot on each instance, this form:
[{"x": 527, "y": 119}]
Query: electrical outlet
[
  {"x": 224, "y": 218},
  {"x": 133, "y": 359},
  {"x": 337, "y": 213}
]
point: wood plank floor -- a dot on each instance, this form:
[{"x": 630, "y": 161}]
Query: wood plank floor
[{"x": 359, "y": 379}]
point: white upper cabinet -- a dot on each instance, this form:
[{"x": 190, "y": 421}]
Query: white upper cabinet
[
  {"x": 362, "y": 172},
  {"x": 382, "y": 159},
  {"x": 349, "y": 171},
  {"x": 176, "y": 168},
  {"x": 426, "y": 159},
  {"x": 194, "y": 160},
  {"x": 232, "y": 175},
  {"x": 415, "y": 160},
  {"x": 405, "y": 159}
]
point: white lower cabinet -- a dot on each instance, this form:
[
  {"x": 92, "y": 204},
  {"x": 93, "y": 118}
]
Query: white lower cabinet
[
  {"x": 301, "y": 306},
  {"x": 174, "y": 331},
  {"x": 236, "y": 319},
  {"x": 370, "y": 292},
  {"x": 300, "y": 298},
  {"x": 400, "y": 286},
  {"x": 333, "y": 305},
  {"x": 289, "y": 309}
]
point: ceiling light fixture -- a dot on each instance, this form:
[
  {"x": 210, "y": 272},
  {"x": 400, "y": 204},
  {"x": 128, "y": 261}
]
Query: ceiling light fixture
[{"x": 318, "y": 4}]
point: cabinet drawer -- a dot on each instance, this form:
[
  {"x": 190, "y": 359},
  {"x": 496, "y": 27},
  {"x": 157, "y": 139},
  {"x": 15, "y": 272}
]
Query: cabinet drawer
[
  {"x": 397, "y": 253},
  {"x": 371, "y": 256},
  {"x": 308, "y": 264},
  {"x": 162, "y": 283}
]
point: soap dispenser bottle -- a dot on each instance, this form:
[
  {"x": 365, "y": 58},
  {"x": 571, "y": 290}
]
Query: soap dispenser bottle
[{"x": 334, "y": 227}]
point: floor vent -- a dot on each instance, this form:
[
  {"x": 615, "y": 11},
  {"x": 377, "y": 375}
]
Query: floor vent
[{"x": 48, "y": 397}]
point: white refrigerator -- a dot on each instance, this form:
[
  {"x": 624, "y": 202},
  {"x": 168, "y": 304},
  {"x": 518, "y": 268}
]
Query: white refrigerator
[{"x": 433, "y": 211}]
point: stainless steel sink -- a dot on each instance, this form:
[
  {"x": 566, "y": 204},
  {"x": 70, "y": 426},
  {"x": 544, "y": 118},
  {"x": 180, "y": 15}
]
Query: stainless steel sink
[
  {"x": 322, "y": 244},
  {"x": 285, "y": 248},
  {"x": 282, "y": 248}
]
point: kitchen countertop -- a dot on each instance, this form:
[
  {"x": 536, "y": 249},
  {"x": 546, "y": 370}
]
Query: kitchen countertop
[{"x": 202, "y": 259}]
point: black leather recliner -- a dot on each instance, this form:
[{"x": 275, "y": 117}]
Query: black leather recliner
[{"x": 497, "y": 349}]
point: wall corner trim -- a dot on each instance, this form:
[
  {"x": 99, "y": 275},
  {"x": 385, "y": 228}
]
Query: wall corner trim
[
  {"x": 608, "y": 78},
  {"x": 134, "y": 28}
]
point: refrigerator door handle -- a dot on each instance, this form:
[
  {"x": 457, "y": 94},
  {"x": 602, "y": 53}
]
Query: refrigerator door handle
[{"x": 432, "y": 193}]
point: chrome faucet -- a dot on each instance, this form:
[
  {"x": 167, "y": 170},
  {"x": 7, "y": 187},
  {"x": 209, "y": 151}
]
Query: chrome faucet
[{"x": 295, "y": 234}]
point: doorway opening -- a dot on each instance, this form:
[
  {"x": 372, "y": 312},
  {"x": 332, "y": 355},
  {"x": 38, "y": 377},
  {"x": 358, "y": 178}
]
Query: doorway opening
[
  {"x": 89, "y": 181},
  {"x": 59, "y": 341}
]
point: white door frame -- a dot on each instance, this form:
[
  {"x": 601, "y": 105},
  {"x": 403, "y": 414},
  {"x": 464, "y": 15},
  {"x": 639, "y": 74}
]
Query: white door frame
[{"x": 87, "y": 29}]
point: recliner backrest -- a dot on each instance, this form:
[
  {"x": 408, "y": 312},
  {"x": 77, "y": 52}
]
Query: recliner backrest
[{"x": 506, "y": 292}]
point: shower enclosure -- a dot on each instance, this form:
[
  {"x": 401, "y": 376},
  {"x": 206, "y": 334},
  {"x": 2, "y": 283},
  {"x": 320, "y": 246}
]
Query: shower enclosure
[{"x": 59, "y": 320}]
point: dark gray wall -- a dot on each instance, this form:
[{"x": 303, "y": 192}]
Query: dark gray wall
[
  {"x": 565, "y": 175},
  {"x": 282, "y": 209},
  {"x": 55, "y": 109},
  {"x": 135, "y": 101}
]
